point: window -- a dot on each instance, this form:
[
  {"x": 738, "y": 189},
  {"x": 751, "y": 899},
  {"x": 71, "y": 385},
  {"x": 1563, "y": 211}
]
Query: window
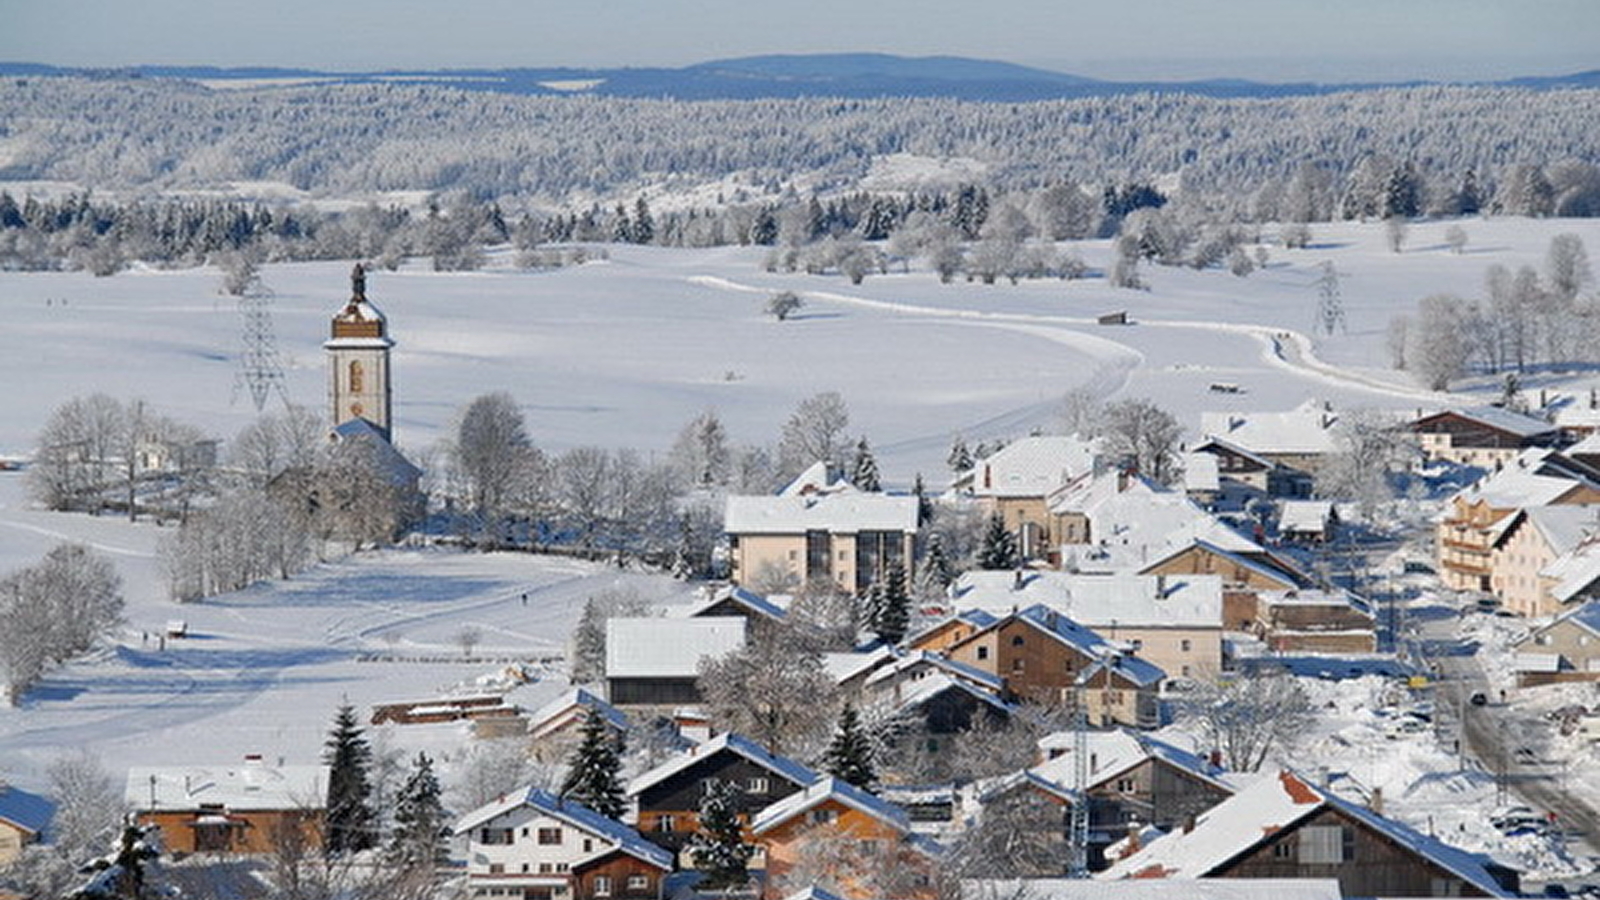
[
  {"x": 602, "y": 885},
  {"x": 497, "y": 868},
  {"x": 821, "y": 816},
  {"x": 1126, "y": 785},
  {"x": 358, "y": 380},
  {"x": 760, "y": 785},
  {"x": 1322, "y": 844},
  {"x": 1283, "y": 849},
  {"x": 549, "y": 836},
  {"x": 1186, "y": 645},
  {"x": 1017, "y": 641},
  {"x": 1018, "y": 664},
  {"x": 495, "y": 836},
  {"x": 545, "y": 868},
  {"x": 638, "y": 882},
  {"x": 524, "y": 867},
  {"x": 983, "y": 652},
  {"x": 666, "y": 823},
  {"x": 588, "y": 845}
]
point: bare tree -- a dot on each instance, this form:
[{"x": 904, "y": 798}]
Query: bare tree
[
  {"x": 784, "y": 304},
  {"x": 53, "y": 611},
  {"x": 75, "y": 461},
  {"x": 1019, "y": 834},
  {"x": 1566, "y": 265},
  {"x": 493, "y": 455},
  {"x": 277, "y": 442},
  {"x": 468, "y": 637},
  {"x": 1370, "y": 448},
  {"x": 814, "y": 433},
  {"x": 1440, "y": 344},
  {"x": 88, "y": 805},
  {"x": 1330, "y": 306},
  {"x": 1248, "y": 718},
  {"x": 773, "y": 690},
  {"x": 701, "y": 452},
  {"x": 1142, "y": 435},
  {"x": 1455, "y": 237}
]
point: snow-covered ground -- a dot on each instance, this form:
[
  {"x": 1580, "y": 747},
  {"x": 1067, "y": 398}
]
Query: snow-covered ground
[{"x": 621, "y": 354}]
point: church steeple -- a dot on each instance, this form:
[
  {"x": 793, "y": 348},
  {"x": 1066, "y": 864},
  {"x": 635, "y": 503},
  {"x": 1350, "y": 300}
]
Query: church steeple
[{"x": 358, "y": 358}]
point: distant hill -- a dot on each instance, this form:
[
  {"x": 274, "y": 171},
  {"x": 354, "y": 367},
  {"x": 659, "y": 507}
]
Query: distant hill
[{"x": 853, "y": 75}]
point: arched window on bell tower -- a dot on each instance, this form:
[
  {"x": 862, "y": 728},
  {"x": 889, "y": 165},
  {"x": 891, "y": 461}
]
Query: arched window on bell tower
[{"x": 357, "y": 377}]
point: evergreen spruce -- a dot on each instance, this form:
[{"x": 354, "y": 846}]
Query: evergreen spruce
[
  {"x": 924, "y": 505},
  {"x": 644, "y": 225},
  {"x": 894, "y": 609},
  {"x": 872, "y": 604},
  {"x": 719, "y": 847},
  {"x": 960, "y": 458},
  {"x": 999, "y": 546},
  {"x": 849, "y": 756},
  {"x": 349, "y": 816},
  {"x": 419, "y": 820},
  {"x": 594, "y": 768},
  {"x": 589, "y": 644},
  {"x": 864, "y": 474},
  {"x": 937, "y": 573}
]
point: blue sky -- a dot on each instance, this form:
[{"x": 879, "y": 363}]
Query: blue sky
[{"x": 1272, "y": 40}]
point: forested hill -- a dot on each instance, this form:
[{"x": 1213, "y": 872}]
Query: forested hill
[
  {"x": 848, "y": 75},
  {"x": 345, "y": 140}
]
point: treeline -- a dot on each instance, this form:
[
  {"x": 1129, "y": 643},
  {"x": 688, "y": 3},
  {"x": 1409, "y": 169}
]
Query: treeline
[{"x": 349, "y": 139}]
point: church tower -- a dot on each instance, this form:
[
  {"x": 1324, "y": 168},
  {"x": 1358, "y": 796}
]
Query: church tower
[{"x": 358, "y": 360}]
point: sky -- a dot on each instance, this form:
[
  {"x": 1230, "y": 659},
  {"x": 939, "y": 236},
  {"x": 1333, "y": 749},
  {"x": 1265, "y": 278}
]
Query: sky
[{"x": 1268, "y": 40}]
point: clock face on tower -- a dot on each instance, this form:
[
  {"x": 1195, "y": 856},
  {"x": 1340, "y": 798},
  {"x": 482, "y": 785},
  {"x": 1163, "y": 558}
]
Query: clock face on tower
[{"x": 356, "y": 409}]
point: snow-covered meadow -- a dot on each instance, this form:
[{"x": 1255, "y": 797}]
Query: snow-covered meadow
[{"x": 621, "y": 353}]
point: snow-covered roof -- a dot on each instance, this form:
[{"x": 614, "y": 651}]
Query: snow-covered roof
[
  {"x": 397, "y": 470},
  {"x": 813, "y": 893},
  {"x": 911, "y": 695},
  {"x": 1029, "y": 467},
  {"x": 924, "y": 659},
  {"x": 1251, "y": 817},
  {"x": 1200, "y": 473},
  {"x": 1156, "y": 889},
  {"x": 1112, "y": 753},
  {"x": 250, "y": 784},
  {"x": 1574, "y": 571},
  {"x": 1308, "y": 428},
  {"x": 620, "y": 836},
  {"x": 1132, "y": 522},
  {"x": 837, "y": 790},
  {"x": 837, "y": 513},
  {"x": 1495, "y": 417},
  {"x": 559, "y": 710},
  {"x": 1536, "y": 477},
  {"x": 842, "y": 667},
  {"x": 817, "y": 479},
  {"x": 1315, "y": 597},
  {"x": 1155, "y": 601},
  {"x": 1305, "y": 516},
  {"x": 742, "y": 597},
  {"x": 29, "y": 812},
  {"x": 1564, "y": 527},
  {"x": 1200, "y": 450},
  {"x": 1087, "y": 643},
  {"x": 656, "y": 647},
  {"x": 1278, "y": 570},
  {"x": 782, "y": 766}
]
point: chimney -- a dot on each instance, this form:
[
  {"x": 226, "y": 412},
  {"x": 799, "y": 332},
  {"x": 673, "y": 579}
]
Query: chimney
[
  {"x": 1161, "y": 587},
  {"x": 1134, "y": 845},
  {"x": 1375, "y": 802},
  {"x": 1215, "y": 758},
  {"x": 1016, "y": 580},
  {"x": 1188, "y": 823},
  {"x": 988, "y": 481}
]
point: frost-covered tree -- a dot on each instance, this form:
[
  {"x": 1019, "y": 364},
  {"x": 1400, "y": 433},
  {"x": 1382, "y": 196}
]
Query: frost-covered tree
[
  {"x": 1142, "y": 436},
  {"x": 88, "y": 805},
  {"x": 594, "y": 770},
  {"x": 1250, "y": 717},
  {"x": 588, "y": 653},
  {"x": 275, "y": 443},
  {"x": 892, "y": 617},
  {"x": 494, "y": 457},
  {"x": 1455, "y": 237},
  {"x": 864, "y": 468},
  {"x": 783, "y": 304},
  {"x": 1440, "y": 343},
  {"x": 418, "y": 839},
  {"x": 53, "y": 611},
  {"x": 1330, "y": 305},
  {"x": 815, "y": 432},
  {"x": 1566, "y": 266},
  {"x": 701, "y": 451},
  {"x": 999, "y": 546},
  {"x": 719, "y": 848},
  {"x": 774, "y": 690},
  {"x": 350, "y": 818},
  {"x": 1019, "y": 834},
  {"x": 960, "y": 458}
]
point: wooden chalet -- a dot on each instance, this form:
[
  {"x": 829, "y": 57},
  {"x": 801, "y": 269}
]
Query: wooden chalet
[
  {"x": 1484, "y": 436},
  {"x": 802, "y": 834},
  {"x": 24, "y": 817},
  {"x": 246, "y": 808}
]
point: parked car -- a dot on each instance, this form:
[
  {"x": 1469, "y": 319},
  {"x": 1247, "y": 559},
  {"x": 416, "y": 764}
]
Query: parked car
[{"x": 1478, "y": 698}]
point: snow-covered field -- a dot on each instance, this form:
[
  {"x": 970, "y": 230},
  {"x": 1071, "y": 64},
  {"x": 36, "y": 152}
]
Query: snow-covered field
[{"x": 622, "y": 353}]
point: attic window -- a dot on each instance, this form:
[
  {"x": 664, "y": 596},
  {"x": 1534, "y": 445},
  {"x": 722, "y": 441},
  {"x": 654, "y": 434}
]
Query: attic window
[
  {"x": 1325, "y": 844},
  {"x": 1017, "y": 641}
]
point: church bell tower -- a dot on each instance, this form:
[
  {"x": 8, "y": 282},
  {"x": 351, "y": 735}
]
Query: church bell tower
[{"x": 358, "y": 360}]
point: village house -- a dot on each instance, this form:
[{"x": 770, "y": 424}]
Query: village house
[
  {"x": 666, "y": 800},
  {"x": 1533, "y": 553},
  {"x": 1297, "y": 441},
  {"x": 925, "y": 697},
  {"x": 737, "y": 601},
  {"x": 1088, "y": 889},
  {"x": 1476, "y": 518},
  {"x": 844, "y": 537},
  {"x": 1045, "y": 657},
  {"x": 1307, "y": 521},
  {"x": 1566, "y": 649},
  {"x": 655, "y": 661},
  {"x": 1330, "y": 620},
  {"x": 1173, "y": 622},
  {"x": 1483, "y": 436},
  {"x": 24, "y": 817},
  {"x": 1281, "y": 826},
  {"x": 1242, "y": 564},
  {"x": 839, "y": 834},
  {"x": 534, "y": 844},
  {"x": 556, "y": 728},
  {"x": 244, "y": 808},
  {"x": 1133, "y": 780},
  {"x": 953, "y": 627},
  {"x": 1015, "y": 481},
  {"x": 1241, "y": 474}
]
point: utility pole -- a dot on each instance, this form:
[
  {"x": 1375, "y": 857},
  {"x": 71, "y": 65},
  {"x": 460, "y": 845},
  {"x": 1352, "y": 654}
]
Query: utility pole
[{"x": 1078, "y": 826}]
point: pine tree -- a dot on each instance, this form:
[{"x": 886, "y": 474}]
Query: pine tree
[
  {"x": 644, "y": 226},
  {"x": 719, "y": 848},
  {"x": 349, "y": 815},
  {"x": 419, "y": 819},
  {"x": 937, "y": 574},
  {"x": 849, "y": 756},
  {"x": 589, "y": 644},
  {"x": 894, "y": 609},
  {"x": 960, "y": 458},
  {"x": 999, "y": 546},
  {"x": 592, "y": 776},
  {"x": 864, "y": 473},
  {"x": 924, "y": 505}
]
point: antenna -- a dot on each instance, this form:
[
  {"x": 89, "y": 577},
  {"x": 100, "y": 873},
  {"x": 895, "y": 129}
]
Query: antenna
[
  {"x": 1078, "y": 826},
  {"x": 260, "y": 367}
]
